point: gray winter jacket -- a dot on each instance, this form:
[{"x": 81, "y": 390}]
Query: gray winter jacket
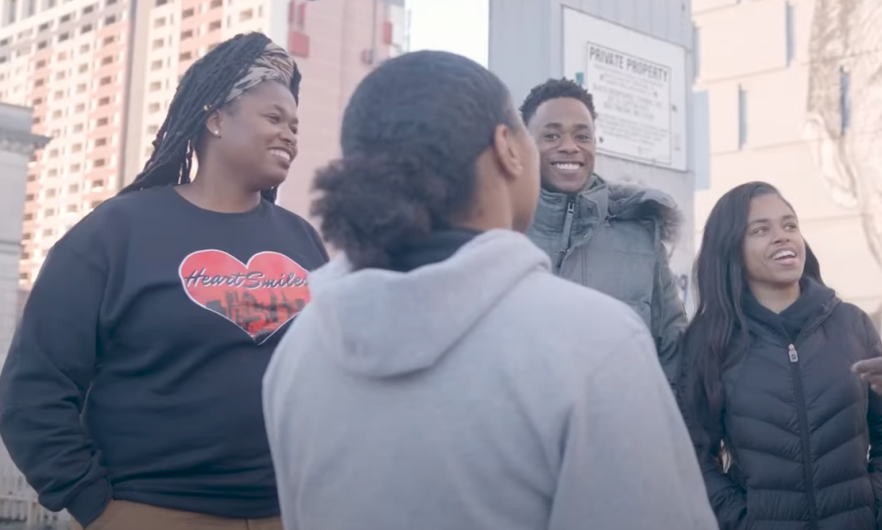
[{"x": 611, "y": 237}]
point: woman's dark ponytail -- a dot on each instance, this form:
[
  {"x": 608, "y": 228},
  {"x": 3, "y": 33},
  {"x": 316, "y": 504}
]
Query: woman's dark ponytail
[
  {"x": 411, "y": 137},
  {"x": 374, "y": 204}
]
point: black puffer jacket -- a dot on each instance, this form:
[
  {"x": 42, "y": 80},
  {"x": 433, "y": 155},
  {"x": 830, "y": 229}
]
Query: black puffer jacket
[{"x": 797, "y": 422}]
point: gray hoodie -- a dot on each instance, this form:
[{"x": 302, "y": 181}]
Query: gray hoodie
[{"x": 478, "y": 393}]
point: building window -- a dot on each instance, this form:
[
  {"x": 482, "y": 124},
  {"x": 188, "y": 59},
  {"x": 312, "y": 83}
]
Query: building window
[
  {"x": 844, "y": 100},
  {"x": 104, "y": 101},
  {"x": 11, "y": 11},
  {"x": 789, "y": 37},
  {"x": 248, "y": 14},
  {"x": 155, "y": 85},
  {"x": 73, "y": 188},
  {"x": 186, "y": 34},
  {"x": 159, "y": 22},
  {"x": 86, "y": 29},
  {"x": 105, "y": 80},
  {"x": 214, "y": 26},
  {"x": 216, "y": 3},
  {"x": 742, "y": 117},
  {"x": 107, "y": 60},
  {"x": 100, "y": 142},
  {"x": 110, "y": 20},
  {"x": 186, "y": 56},
  {"x": 158, "y": 43},
  {"x": 153, "y": 108},
  {"x": 108, "y": 40},
  {"x": 98, "y": 163},
  {"x": 72, "y": 208},
  {"x": 156, "y": 65},
  {"x": 187, "y": 13}
]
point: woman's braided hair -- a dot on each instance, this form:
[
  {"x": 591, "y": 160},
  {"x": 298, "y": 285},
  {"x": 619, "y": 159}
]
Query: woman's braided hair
[{"x": 202, "y": 90}]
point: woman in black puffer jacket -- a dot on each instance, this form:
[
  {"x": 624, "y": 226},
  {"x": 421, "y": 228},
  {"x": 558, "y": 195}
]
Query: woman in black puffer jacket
[{"x": 767, "y": 372}]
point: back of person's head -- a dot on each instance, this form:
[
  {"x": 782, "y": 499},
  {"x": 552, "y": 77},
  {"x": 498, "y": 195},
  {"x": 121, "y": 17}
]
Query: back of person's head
[
  {"x": 430, "y": 141},
  {"x": 721, "y": 282},
  {"x": 216, "y": 82}
]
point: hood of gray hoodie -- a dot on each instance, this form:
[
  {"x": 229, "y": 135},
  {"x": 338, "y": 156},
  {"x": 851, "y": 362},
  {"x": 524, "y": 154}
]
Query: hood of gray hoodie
[{"x": 381, "y": 323}]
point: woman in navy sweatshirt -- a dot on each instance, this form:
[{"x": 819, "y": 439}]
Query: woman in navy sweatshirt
[{"x": 131, "y": 393}]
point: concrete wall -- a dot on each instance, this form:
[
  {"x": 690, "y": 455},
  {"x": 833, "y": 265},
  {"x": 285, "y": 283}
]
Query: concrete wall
[
  {"x": 17, "y": 144},
  {"x": 16, "y": 147},
  {"x": 526, "y": 49}
]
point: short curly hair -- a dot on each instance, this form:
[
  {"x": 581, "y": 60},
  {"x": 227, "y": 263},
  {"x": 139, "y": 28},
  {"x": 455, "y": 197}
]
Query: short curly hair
[
  {"x": 411, "y": 136},
  {"x": 553, "y": 89}
]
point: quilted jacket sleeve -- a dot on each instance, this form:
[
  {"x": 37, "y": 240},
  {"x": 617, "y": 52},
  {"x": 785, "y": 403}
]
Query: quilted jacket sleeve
[
  {"x": 668, "y": 316},
  {"x": 727, "y": 499},
  {"x": 874, "y": 421}
]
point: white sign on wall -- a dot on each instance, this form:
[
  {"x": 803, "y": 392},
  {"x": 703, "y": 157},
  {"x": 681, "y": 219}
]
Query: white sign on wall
[{"x": 639, "y": 87}]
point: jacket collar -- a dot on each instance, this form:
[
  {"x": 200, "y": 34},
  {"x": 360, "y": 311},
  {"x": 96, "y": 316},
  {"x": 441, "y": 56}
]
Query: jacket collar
[{"x": 591, "y": 206}]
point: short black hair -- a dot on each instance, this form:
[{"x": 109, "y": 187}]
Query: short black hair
[
  {"x": 553, "y": 89},
  {"x": 202, "y": 90},
  {"x": 411, "y": 136}
]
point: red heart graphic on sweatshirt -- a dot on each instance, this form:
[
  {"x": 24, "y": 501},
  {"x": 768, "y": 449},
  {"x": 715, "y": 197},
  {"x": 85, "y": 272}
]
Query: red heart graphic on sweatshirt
[{"x": 259, "y": 297}]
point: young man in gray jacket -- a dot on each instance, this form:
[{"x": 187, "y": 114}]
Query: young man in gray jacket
[{"x": 607, "y": 236}]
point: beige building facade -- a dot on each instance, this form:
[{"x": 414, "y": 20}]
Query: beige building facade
[
  {"x": 795, "y": 99},
  {"x": 100, "y": 75}
]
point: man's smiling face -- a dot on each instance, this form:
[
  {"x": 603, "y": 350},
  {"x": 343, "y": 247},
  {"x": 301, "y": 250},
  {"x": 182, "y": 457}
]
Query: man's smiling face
[{"x": 564, "y": 132}]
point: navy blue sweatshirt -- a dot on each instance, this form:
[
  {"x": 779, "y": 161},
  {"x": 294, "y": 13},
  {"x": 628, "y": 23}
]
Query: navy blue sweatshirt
[{"x": 135, "y": 373}]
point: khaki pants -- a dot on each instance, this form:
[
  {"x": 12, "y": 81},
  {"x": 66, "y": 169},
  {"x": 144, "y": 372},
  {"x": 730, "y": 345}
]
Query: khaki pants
[{"x": 125, "y": 515}]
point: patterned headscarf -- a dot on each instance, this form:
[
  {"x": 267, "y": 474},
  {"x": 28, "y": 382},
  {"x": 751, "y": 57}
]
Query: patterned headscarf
[{"x": 274, "y": 64}]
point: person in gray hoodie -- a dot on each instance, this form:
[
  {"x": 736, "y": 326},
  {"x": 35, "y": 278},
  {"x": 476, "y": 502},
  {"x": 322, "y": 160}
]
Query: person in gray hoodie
[
  {"x": 441, "y": 377},
  {"x": 605, "y": 235}
]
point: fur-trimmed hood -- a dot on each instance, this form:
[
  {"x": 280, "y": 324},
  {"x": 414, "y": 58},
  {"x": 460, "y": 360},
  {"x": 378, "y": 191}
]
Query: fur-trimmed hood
[
  {"x": 629, "y": 201},
  {"x": 603, "y": 201}
]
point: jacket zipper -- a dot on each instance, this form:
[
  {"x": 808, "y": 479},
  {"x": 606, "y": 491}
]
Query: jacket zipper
[
  {"x": 566, "y": 233},
  {"x": 804, "y": 435}
]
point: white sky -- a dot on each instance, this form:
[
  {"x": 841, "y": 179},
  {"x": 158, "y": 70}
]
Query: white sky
[{"x": 458, "y": 26}]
